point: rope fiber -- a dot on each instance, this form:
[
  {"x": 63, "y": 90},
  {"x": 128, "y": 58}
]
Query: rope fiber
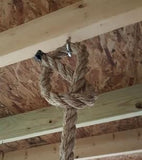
[{"x": 81, "y": 93}]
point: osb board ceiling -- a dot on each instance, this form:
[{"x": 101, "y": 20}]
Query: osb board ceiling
[
  {"x": 115, "y": 61},
  {"x": 16, "y": 12},
  {"x": 15, "y": 80}
]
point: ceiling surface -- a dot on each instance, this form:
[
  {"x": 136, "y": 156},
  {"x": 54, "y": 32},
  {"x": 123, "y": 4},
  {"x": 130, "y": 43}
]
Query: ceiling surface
[{"x": 115, "y": 61}]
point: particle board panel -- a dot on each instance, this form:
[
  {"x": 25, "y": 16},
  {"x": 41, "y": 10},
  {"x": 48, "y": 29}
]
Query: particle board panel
[
  {"x": 82, "y": 20},
  {"x": 16, "y": 12},
  {"x": 115, "y": 61},
  {"x": 19, "y": 90}
]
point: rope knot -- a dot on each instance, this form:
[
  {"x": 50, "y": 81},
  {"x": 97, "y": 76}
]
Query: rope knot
[{"x": 81, "y": 94}]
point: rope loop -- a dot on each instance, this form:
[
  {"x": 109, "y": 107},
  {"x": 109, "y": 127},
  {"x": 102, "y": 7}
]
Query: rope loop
[{"x": 81, "y": 94}]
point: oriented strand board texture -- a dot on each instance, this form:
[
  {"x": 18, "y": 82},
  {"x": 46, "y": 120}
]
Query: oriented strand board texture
[
  {"x": 20, "y": 81},
  {"x": 16, "y": 12},
  {"x": 115, "y": 61}
]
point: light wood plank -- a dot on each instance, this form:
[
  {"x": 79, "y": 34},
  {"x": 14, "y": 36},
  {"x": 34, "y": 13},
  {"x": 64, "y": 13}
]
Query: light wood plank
[
  {"x": 111, "y": 106},
  {"x": 115, "y": 155},
  {"x": 82, "y": 20},
  {"x": 114, "y": 144}
]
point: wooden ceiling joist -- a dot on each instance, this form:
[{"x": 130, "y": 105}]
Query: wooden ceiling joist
[
  {"x": 110, "y": 106},
  {"x": 113, "y": 144},
  {"x": 82, "y": 20}
]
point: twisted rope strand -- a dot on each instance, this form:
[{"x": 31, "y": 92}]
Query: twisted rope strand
[
  {"x": 80, "y": 95},
  {"x": 56, "y": 65},
  {"x": 68, "y": 134}
]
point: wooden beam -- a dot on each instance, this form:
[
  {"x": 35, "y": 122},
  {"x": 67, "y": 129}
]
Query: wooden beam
[
  {"x": 110, "y": 106},
  {"x": 97, "y": 146},
  {"x": 82, "y": 20},
  {"x": 135, "y": 154}
]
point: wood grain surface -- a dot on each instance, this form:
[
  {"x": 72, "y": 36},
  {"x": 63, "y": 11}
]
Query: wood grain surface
[
  {"x": 97, "y": 146},
  {"x": 95, "y": 130},
  {"x": 16, "y": 12},
  {"x": 110, "y": 106},
  {"x": 80, "y": 21},
  {"x": 115, "y": 61}
]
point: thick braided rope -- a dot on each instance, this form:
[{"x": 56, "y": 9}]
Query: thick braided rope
[
  {"x": 68, "y": 134},
  {"x": 80, "y": 95}
]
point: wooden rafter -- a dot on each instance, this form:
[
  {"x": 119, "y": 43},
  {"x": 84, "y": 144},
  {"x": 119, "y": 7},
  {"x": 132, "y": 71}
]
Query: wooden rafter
[
  {"x": 82, "y": 20},
  {"x": 113, "y": 144},
  {"x": 111, "y": 106}
]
